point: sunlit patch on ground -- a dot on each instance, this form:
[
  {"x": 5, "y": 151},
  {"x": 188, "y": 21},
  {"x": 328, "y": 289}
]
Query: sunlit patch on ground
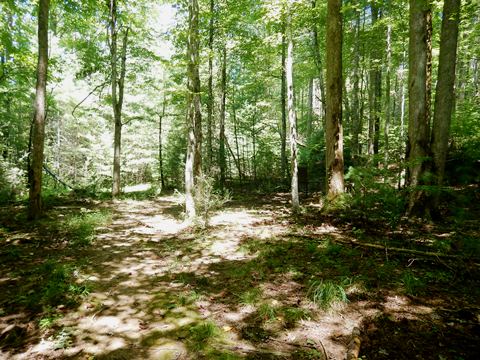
[{"x": 161, "y": 289}]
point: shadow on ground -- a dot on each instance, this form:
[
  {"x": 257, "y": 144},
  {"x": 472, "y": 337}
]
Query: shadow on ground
[{"x": 255, "y": 285}]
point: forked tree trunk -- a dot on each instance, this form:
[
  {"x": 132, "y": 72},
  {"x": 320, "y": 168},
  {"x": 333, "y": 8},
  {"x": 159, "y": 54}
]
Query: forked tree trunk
[
  {"x": 292, "y": 118},
  {"x": 38, "y": 135},
  {"x": 334, "y": 130},
  {"x": 444, "y": 95}
]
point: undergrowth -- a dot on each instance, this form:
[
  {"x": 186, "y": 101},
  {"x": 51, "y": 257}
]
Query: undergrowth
[{"x": 80, "y": 228}]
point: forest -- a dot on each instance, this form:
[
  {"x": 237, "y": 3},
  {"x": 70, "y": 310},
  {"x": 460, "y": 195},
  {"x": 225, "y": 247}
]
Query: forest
[{"x": 240, "y": 179}]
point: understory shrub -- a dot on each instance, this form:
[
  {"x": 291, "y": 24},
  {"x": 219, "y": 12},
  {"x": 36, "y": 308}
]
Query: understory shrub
[
  {"x": 374, "y": 191},
  {"x": 207, "y": 198}
]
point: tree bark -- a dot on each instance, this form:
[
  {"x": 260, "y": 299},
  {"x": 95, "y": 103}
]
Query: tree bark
[
  {"x": 221, "y": 152},
  {"x": 38, "y": 135},
  {"x": 292, "y": 118},
  {"x": 388, "y": 102},
  {"x": 418, "y": 125},
  {"x": 283, "y": 102},
  {"x": 334, "y": 131},
  {"x": 210, "y": 102},
  {"x": 444, "y": 95},
  {"x": 356, "y": 118},
  {"x": 318, "y": 63},
  {"x": 160, "y": 143},
  {"x": 118, "y": 85},
  {"x": 193, "y": 159},
  {"x": 374, "y": 94}
]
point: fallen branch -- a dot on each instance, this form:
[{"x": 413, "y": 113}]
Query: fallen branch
[{"x": 342, "y": 239}]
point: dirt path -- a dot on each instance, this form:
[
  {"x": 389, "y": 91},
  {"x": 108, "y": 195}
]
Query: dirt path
[{"x": 164, "y": 291}]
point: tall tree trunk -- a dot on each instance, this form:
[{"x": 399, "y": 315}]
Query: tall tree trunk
[
  {"x": 118, "y": 84},
  {"x": 292, "y": 118},
  {"x": 375, "y": 93},
  {"x": 235, "y": 133},
  {"x": 283, "y": 100},
  {"x": 193, "y": 159},
  {"x": 418, "y": 126},
  {"x": 356, "y": 118},
  {"x": 318, "y": 63},
  {"x": 160, "y": 144},
  {"x": 334, "y": 130},
  {"x": 310, "y": 109},
  {"x": 221, "y": 152},
  {"x": 210, "y": 102},
  {"x": 388, "y": 102},
  {"x": 444, "y": 93},
  {"x": 38, "y": 135}
]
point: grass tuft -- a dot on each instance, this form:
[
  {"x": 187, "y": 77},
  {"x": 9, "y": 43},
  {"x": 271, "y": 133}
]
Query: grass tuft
[
  {"x": 201, "y": 334},
  {"x": 80, "y": 228},
  {"x": 326, "y": 294}
]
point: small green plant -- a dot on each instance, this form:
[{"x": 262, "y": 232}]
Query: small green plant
[
  {"x": 56, "y": 284},
  {"x": 412, "y": 284},
  {"x": 207, "y": 199},
  {"x": 189, "y": 298},
  {"x": 294, "y": 314},
  {"x": 267, "y": 312},
  {"x": 250, "y": 297},
  {"x": 63, "y": 339},
  {"x": 326, "y": 294},
  {"x": 202, "y": 333},
  {"x": 81, "y": 227},
  {"x": 308, "y": 354}
]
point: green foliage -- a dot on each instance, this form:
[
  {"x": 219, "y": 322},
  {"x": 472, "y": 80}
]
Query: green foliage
[
  {"x": 201, "y": 334},
  {"x": 413, "y": 285},
  {"x": 189, "y": 298},
  {"x": 12, "y": 181},
  {"x": 81, "y": 228},
  {"x": 49, "y": 318},
  {"x": 207, "y": 198},
  {"x": 63, "y": 339},
  {"x": 373, "y": 192},
  {"x": 267, "y": 312},
  {"x": 55, "y": 284},
  {"x": 294, "y": 314},
  {"x": 250, "y": 297},
  {"x": 327, "y": 294}
]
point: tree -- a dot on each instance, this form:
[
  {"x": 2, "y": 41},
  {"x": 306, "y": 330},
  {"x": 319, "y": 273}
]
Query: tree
[
  {"x": 194, "y": 116},
  {"x": 375, "y": 79},
  {"x": 118, "y": 85},
  {"x": 283, "y": 102},
  {"x": 221, "y": 151},
  {"x": 292, "y": 118},
  {"x": 334, "y": 130},
  {"x": 38, "y": 134},
  {"x": 444, "y": 95},
  {"x": 418, "y": 122}
]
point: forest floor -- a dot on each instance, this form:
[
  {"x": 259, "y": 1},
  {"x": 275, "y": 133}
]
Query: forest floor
[{"x": 127, "y": 279}]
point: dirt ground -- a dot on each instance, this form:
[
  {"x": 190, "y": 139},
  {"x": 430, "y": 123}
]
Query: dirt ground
[{"x": 155, "y": 288}]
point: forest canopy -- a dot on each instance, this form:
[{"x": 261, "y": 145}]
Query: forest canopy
[{"x": 126, "y": 80}]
